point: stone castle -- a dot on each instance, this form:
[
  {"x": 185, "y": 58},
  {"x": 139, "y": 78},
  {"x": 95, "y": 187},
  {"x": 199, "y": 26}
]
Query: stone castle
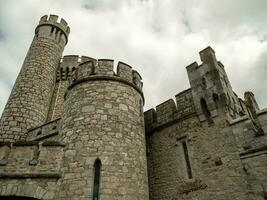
[{"x": 75, "y": 129}]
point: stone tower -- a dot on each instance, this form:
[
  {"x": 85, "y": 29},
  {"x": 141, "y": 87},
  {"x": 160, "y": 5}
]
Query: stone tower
[
  {"x": 74, "y": 129},
  {"x": 28, "y": 104},
  {"x": 211, "y": 89},
  {"x": 103, "y": 126}
]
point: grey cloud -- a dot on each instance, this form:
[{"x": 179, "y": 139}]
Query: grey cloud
[
  {"x": 260, "y": 82},
  {"x": 158, "y": 38},
  {"x": 2, "y": 35}
]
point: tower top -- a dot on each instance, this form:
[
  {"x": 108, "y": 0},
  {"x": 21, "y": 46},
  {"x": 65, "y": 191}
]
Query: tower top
[{"x": 53, "y": 20}]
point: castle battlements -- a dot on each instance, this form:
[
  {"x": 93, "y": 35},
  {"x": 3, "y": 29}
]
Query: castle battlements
[
  {"x": 74, "y": 128},
  {"x": 53, "y": 28},
  {"x": 90, "y": 67},
  {"x": 54, "y": 20},
  {"x": 69, "y": 59},
  {"x": 170, "y": 111},
  {"x": 103, "y": 69},
  {"x": 68, "y": 64}
]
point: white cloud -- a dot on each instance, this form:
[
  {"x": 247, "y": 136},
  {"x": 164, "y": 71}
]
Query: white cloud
[{"x": 158, "y": 38}]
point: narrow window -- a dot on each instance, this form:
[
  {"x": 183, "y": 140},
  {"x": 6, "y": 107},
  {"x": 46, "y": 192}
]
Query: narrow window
[
  {"x": 67, "y": 73},
  {"x": 205, "y": 109},
  {"x": 51, "y": 31},
  {"x": 187, "y": 161},
  {"x": 215, "y": 98},
  {"x": 56, "y": 32},
  {"x": 60, "y": 36},
  {"x": 97, "y": 170},
  {"x": 37, "y": 33}
]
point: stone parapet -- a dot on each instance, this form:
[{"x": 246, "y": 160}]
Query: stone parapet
[
  {"x": 52, "y": 20},
  {"x": 68, "y": 65},
  {"x": 46, "y": 131},
  {"x": 103, "y": 69},
  {"x": 103, "y": 122},
  {"x": 170, "y": 111}
]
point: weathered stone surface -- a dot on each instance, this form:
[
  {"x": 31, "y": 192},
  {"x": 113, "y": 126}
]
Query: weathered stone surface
[
  {"x": 69, "y": 120},
  {"x": 110, "y": 128},
  {"x": 29, "y": 101}
]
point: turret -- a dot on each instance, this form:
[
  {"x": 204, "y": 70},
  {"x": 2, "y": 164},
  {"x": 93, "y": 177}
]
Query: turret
[
  {"x": 66, "y": 68},
  {"x": 212, "y": 92},
  {"x": 103, "y": 124},
  {"x": 29, "y": 101}
]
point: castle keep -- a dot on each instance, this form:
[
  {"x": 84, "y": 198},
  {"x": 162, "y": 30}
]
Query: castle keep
[{"x": 73, "y": 128}]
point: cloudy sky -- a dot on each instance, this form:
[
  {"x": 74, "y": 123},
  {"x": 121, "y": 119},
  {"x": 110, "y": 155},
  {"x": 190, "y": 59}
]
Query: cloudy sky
[{"x": 159, "y": 38}]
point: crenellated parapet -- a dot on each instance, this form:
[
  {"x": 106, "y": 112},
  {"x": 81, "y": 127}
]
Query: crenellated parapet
[
  {"x": 50, "y": 26},
  {"x": 170, "y": 111},
  {"x": 103, "y": 69},
  {"x": 68, "y": 65},
  {"x": 103, "y": 117},
  {"x": 211, "y": 89}
]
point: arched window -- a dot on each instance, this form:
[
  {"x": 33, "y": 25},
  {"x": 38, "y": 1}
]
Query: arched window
[
  {"x": 205, "y": 109},
  {"x": 97, "y": 171},
  {"x": 67, "y": 72}
]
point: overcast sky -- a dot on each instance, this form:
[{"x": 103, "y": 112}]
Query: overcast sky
[{"x": 159, "y": 38}]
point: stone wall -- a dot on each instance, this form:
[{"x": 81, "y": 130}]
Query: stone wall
[
  {"x": 46, "y": 132},
  {"x": 193, "y": 150},
  {"x": 65, "y": 118},
  {"x": 210, "y": 86},
  {"x": 30, "y": 169},
  {"x": 67, "y": 67},
  {"x": 103, "y": 119},
  {"x": 255, "y": 167},
  {"x": 253, "y": 149},
  {"x": 29, "y": 101},
  {"x": 170, "y": 111},
  {"x": 214, "y": 162}
]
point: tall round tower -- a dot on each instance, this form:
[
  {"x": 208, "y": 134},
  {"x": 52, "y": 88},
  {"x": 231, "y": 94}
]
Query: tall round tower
[
  {"x": 103, "y": 128},
  {"x": 28, "y": 104}
]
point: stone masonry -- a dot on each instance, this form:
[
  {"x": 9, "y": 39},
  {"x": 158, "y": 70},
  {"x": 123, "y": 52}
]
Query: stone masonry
[
  {"x": 73, "y": 128},
  {"x": 30, "y": 98}
]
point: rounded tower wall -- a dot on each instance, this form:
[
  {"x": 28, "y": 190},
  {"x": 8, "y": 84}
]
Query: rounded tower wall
[
  {"x": 29, "y": 101},
  {"x": 66, "y": 68},
  {"x": 103, "y": 120},
  {"x": 53, "y": 28}
]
